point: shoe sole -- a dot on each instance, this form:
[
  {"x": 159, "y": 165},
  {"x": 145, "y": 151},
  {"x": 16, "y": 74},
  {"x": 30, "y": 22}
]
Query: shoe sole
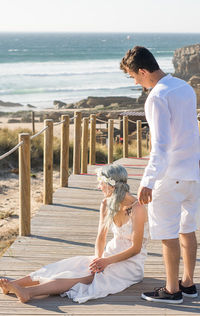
[
  {"x": 190, "y": 295},
  {"x": 150, "y": 299}
]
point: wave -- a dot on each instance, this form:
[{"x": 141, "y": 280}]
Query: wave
[
  {"x": 13, "y": 50},
  {"x": 65, "y": 74},
  {"x": 64, "y": 89},
  {"x": 165, "y": 51},
  {"x": 69, "y": 68},
  {"x": 51, "y": 68},
  {"x": 17, "y": 50}
]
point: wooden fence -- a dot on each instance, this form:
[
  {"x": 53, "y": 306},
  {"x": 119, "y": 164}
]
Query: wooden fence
[{"x": 82, "y": 135}]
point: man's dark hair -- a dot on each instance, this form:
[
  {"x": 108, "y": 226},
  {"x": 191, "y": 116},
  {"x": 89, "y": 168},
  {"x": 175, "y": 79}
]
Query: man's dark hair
[{"x": 139, "y": 58}]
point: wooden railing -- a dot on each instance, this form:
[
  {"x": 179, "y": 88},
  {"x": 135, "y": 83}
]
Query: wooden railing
[{"x": 82, "y": 135}]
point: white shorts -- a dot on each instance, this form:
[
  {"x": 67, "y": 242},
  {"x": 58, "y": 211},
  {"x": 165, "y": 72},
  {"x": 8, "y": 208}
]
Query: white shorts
[{"x": 173, "y": 208}]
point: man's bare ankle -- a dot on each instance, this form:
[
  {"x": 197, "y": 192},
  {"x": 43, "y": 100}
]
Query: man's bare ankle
[
  {"x": 172, "y": 290},
  {"x": 187, "y": 283}
]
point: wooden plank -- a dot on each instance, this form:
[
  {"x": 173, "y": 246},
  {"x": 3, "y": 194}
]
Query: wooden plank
[{"x": 67, "y": 228}]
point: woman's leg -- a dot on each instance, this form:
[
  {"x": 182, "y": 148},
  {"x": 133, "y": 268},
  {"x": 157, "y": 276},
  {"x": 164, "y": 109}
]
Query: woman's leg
[
  {"x": 58, "y": 286},
  {"x": 25, "y": 281}
]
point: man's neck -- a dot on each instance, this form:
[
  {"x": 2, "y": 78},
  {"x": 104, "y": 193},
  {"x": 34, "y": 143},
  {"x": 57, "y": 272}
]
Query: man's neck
[{"x": 156, "y": 76}]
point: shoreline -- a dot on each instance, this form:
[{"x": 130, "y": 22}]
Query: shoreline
[{"x": 95, "y": 102}]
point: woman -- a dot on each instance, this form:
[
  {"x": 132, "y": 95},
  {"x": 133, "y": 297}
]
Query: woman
[{"x": 111, "y": 270}]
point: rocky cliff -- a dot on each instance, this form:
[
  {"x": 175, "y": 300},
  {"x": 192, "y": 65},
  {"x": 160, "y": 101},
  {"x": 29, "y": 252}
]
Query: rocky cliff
[
  {"x": 103, "y": 102},
  {"x": 186, "y": 62}
]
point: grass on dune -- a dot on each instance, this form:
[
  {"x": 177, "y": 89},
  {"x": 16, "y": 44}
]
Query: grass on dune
[
  {"x": 9, "y": 139},
  {"x": 102, "y": 151}
]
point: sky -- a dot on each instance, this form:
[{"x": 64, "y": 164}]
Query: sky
[{"x": 100, "y": 16}]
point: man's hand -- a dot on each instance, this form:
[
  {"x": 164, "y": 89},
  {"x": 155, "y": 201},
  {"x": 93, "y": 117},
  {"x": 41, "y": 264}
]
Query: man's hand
[{"x": 144, "y": 195}]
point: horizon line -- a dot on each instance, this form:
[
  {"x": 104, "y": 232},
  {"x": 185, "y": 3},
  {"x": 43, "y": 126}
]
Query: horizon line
[{"x": 94, "y": 32}]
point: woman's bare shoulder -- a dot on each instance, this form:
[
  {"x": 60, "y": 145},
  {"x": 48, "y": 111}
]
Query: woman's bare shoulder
[{"x": 139, "y": 211}]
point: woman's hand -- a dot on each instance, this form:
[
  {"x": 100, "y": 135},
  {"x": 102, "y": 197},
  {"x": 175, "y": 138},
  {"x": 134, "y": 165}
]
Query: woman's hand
[{"x": 98, "y": 265}]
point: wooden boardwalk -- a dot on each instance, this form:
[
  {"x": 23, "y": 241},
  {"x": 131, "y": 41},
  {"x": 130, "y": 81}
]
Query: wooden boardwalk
[{"x": 68, "y": 228}]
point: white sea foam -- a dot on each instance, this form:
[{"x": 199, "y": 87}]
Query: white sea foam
[
  {"x": 40, "y": 83},
  {"x": 13, "y": 50},
  {"x": 56, "y": 68}
]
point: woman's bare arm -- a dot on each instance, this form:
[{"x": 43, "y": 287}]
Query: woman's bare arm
[
  {"x": 139, "y": 218},
  {"x": 102, "y": 231}
]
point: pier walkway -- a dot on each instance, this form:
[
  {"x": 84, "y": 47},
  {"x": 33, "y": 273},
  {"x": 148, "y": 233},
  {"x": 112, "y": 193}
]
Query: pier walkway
[{"x": 68, "y": 228}]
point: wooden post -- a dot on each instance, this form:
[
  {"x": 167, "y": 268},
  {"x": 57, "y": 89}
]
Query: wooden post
[
  {"x": 48, "y": 162},
  {"x": 84, "y": 151},
  {"x": 125, "y": 136},
  {"x": 64, "y": 152},
  {"x": 139, "y": 139},
  {"x": 24, "y": 186},
  {"x": 33, "y": 122},
  {"x": 110, "y": 140},
  {"x": 77, "y": 143},
  {"x": 199, "y": 125},
  {"x": 92, "y": 159}
]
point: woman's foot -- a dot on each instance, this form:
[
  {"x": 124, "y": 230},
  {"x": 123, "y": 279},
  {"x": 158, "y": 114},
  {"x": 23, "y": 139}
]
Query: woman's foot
[
  {"x": 21, "y": 292},
  {"x": 4, "y": 286}
]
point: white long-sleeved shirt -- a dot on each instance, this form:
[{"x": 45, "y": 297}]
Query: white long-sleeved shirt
[{"x": 170, "y": 110}]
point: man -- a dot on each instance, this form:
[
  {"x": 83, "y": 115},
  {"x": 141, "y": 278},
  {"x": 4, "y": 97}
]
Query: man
[{"x": 170, "y": 181}]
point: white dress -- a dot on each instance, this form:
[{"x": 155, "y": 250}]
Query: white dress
[{"x": 115, "y": 278}]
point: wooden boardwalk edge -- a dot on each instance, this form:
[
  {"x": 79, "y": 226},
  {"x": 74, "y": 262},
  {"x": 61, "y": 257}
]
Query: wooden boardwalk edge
[{"x": 67, "y": 228}]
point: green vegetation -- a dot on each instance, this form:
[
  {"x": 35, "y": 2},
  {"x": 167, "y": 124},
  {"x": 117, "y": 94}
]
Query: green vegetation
[{"x": 9, "y": 139}]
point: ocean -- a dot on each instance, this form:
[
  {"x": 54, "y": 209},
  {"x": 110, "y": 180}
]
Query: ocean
[{"x": 38, "y": 68}]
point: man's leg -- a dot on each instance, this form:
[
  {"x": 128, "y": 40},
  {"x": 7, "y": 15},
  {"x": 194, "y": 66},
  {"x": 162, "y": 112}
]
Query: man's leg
[
  {"x": 188, "y": 244},
  {"x": 166, "y": 204},
  {"x": 171, "y": 292},
  {"x": 171, "y": 256}
]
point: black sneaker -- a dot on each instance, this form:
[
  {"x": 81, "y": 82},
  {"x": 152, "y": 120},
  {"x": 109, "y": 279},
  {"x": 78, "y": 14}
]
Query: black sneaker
[
  {"x": 189, "y": 291},
  {"x": 161, "y": 295}
]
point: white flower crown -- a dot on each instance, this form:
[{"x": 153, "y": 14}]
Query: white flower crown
[{"x": 100, "y": 178}]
